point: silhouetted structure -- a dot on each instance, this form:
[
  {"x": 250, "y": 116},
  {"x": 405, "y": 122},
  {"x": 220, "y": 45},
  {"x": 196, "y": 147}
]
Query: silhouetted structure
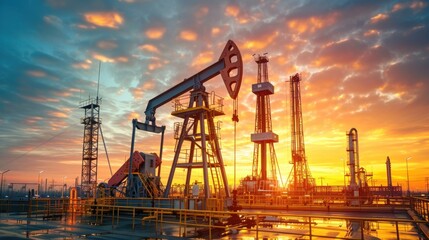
[
  {"x": 264, "y": 154},
  {"x": 300, "y": 180}
]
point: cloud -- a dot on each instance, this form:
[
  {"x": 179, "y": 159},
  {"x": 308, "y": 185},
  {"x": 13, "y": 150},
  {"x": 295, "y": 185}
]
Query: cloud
[
  {"x": 379, "y": 17},
  {"x": 373, "y": 58},
  {"x": 203, "y": 59},
  {"x": 103, "y": 58},
  {"x": 364, "y": 83},
  {"x": 232, "y": 10},
  {"x": 58, "y": 114},
  {"x": 36, "y": 73},
  {"x": 311, "y": 24},
  {"x": 188, "y": 35},
  {"x": 155, "y": 33},
  {"x": 343, "y": 52},
  {"x": 149, "y": 48},
  {"x": 104, "y": 19},
  {"x": 83, "y": 65},
  {"x": 53, "y": 20},
  {"x": 107, "y": 45}
]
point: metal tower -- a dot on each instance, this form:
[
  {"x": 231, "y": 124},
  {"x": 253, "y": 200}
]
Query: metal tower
[
  {"x": 301, "y": 183},
  {"x": 353, "y": 155},
  {"x": 389, "y": 176},
  {"x": 263, "y": 137},
  {"x": 91, "y": 123}
]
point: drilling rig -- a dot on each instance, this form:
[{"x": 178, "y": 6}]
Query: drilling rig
[
  {"x": 264, "y": 155},
  {"x": 198, "y": 130},
  {"x": 300, "y": 181}
]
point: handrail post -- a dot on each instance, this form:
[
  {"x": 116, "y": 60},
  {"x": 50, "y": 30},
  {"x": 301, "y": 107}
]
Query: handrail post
[
  {"x": 257, "y": 226},
  {"x": 113, "y": 216},
  {"x": 397, "y": 230},
  {"x": 134, "y": 215},
  {"x": 309, "y": 224},
  {"x": 210, "y": 225},
  {"x": 117, "y": 217}
]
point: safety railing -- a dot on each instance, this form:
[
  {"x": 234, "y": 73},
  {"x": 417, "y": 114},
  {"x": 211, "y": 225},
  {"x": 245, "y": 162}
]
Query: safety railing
[
  {"x": 212, "y": 224},
  {"x": 421, "y": 206}
]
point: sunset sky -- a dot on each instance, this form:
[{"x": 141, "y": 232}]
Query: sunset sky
[{"x": 364, "y": 65}]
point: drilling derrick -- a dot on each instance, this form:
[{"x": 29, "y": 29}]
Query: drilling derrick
[
  {"x": 91, "y": 123},
  {"x": 263, "y": 137},
  {"x": 301, "y": 182}
]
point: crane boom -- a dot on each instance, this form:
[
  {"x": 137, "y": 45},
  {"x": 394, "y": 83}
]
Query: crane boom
[{"x": 229, "y": 65}]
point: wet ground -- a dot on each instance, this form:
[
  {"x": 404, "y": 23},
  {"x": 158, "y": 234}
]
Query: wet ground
[{"x": 17, "y": 226}]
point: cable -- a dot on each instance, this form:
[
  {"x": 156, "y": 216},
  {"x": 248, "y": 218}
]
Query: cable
[
  {"x": 41, "y": 144},
  {"x": 235, "y": 120},
  {"x": 105, "y": 149}
]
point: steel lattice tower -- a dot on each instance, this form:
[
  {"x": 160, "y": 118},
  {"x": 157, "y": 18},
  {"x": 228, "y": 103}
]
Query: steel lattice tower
[
  {"x": 301, "y": 182},
  {"x": 264, "y": 152},
  {"x": 91, "y": 123}
]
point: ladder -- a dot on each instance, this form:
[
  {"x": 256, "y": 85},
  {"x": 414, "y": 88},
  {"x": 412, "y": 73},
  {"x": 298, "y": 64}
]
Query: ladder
[{"x": 212, "y": 163}]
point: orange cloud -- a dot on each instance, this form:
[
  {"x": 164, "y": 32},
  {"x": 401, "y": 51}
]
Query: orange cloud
[
  {"x": 139, "y": 91},
  {"x": 188, "y": 35},
  {"x": 104, "y": 19},
  {"x": 232, "y": 11},
  {"x": 55, "y": 125},
  {"x": 32, "y": 120},
  {"x": 260, "y": 44},
  {"x": 154, "y": 65},
  {"x": 107, "y": 44},
  {"x": 397, "y": 7},
  {"x": 103, "y": 58},
  {"x": 63, "y": 94},
  {"x": 133, "y": 115},
  {"x": 379, "y": 17},
  {"x": 36, "y": 73},
  {"x": 43, "y": 99},
  {"x": 215, "y": 31},
  {"x": 371, "y": 32},
  {"x": 203, "y": 59},
  {"x": 83, "y": 65},
  {"x": 311, "y": 24},
  {"x": 57, "y": 114},
  {"x": 149, "y": 48},
  {"x": 155, "y": 33}
]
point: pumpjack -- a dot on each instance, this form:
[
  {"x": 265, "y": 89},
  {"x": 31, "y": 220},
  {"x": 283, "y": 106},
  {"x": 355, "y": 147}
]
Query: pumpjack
[{"x": 198, "y": 130}]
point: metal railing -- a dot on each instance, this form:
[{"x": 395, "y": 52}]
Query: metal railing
[{"x": 190, "y": 223}]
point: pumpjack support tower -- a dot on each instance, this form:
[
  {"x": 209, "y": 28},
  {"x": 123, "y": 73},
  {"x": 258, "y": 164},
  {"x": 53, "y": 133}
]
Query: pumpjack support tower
[
  {"x": 300, "y": 181},
  {"x": 197, "y": 146},
  {"x": 264, "y": 154}
]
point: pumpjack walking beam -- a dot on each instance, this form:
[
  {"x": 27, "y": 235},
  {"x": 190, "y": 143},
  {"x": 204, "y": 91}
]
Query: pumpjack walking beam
[{"x": 229, "y": 66}]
